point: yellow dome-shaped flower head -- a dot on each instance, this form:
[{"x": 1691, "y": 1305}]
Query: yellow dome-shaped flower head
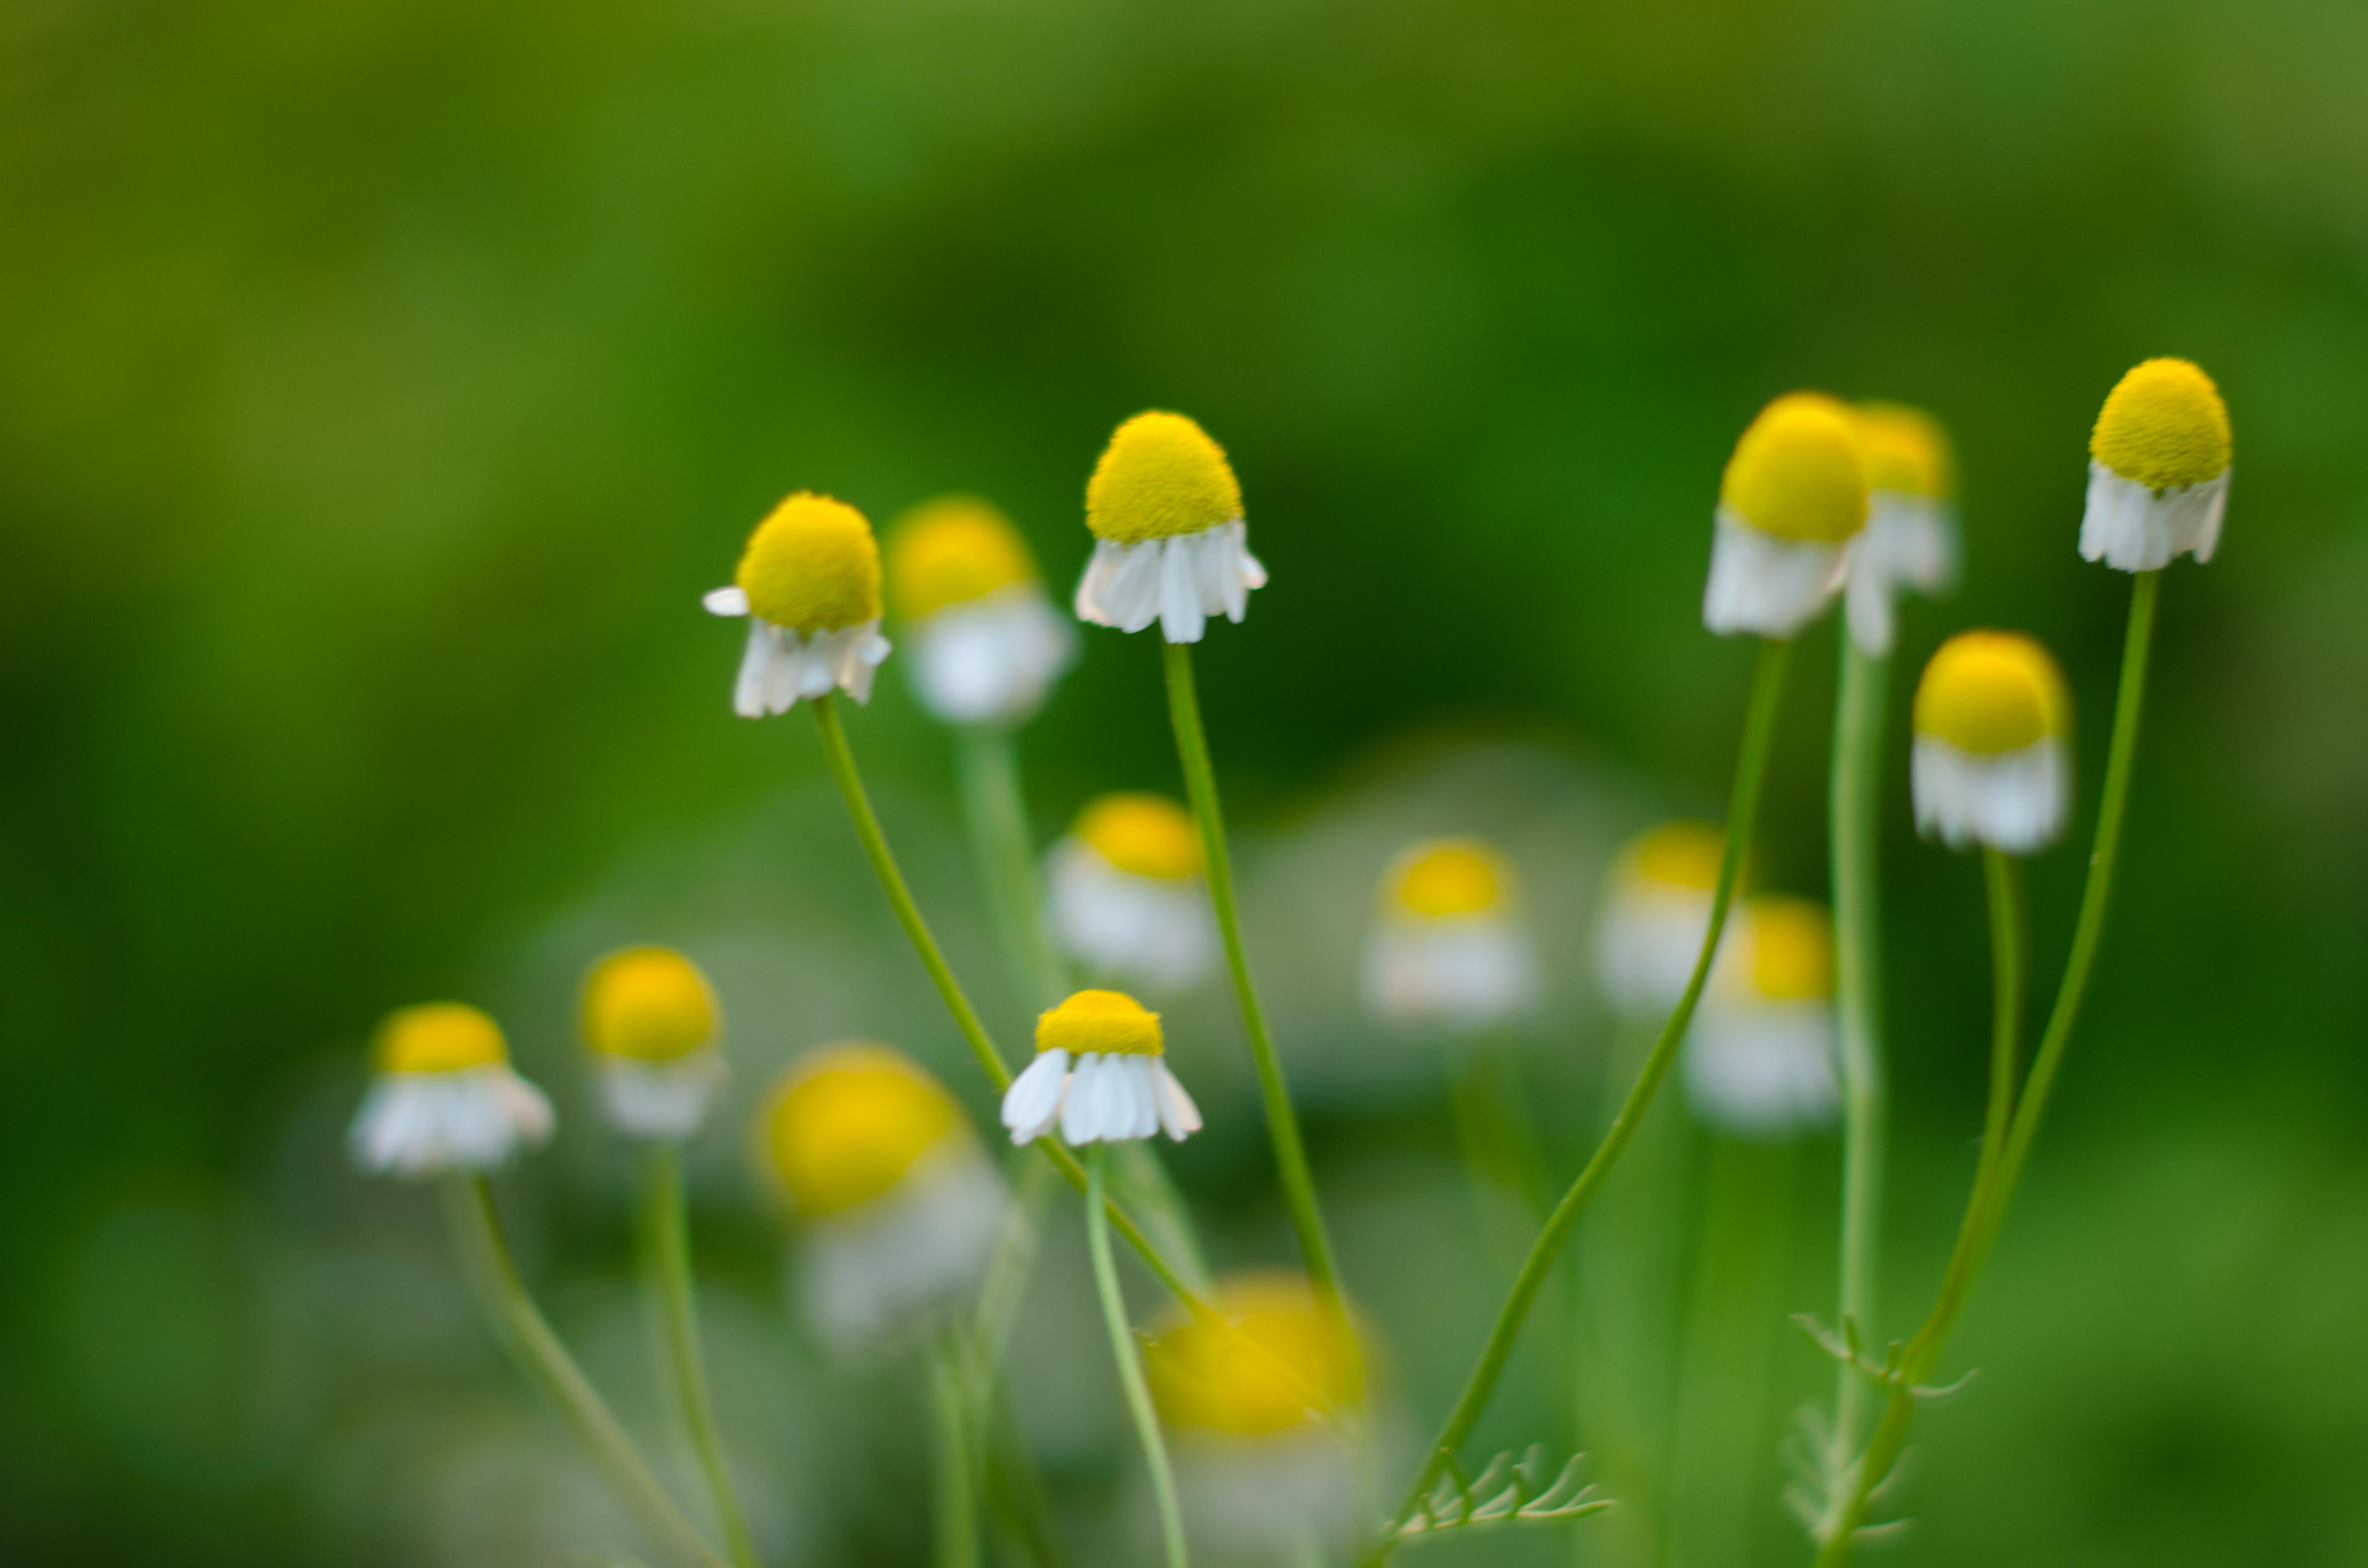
[
  {"x": 439, "y": 1037},
  {"x": 649, "y": 1004},
  {"x": 1258, "y": 1380},
  {"x": 1791, "y": 948},
  {"x": 1161, "y": 476},
  {"x": 1799, "y": 472},
  {"x": 812, "y": 566},
  {"x": 1442, "y": 878},
  {"x": 951, "y": 551},
  {"x": 1100, "y": 1023},
  {"x": 847, "y": 1125},
  {"x": 2164, "y": 426},
  {"x": 1149, "y": 835},
  {"x": 1988, "y": 692},
  {"x": 1906, "y": 451},
  {"x": 1677, "y": 854}
]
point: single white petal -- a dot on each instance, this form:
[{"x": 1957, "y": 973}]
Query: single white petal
[
  {"x": 725, "y": 601},
  {"x": 1035, "y": 1098},
  {"x": 1178, "y": 1114},
  {"x": 1132, "y": 599},
  {"x": 1081, "y": 1109},
  {"x": 1180, "y": 616}
]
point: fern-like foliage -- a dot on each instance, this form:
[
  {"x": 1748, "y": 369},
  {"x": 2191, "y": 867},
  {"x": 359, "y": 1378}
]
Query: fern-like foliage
[{"x": 1506, "y": 1493}]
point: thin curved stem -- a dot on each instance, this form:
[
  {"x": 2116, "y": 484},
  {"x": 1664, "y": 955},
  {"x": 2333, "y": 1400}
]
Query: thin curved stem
[
  {"x": 1751, "y": 768},
  {"x": 1129, "y": 1367},
  {"x": 1281, "y": 1120},
  {"x": 2003, "y": 1165},
  {"x": 665, "y": 1255},
  {"x": 477, "y": 1228},
  {"x": 1854, "y": 833}
]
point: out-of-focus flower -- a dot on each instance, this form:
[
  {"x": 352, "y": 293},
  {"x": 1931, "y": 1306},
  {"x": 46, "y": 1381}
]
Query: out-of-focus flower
[
  {"x": 896, "y": 1200},
  {"x": 1793, "y": 499},
  {"x": 1100, "y": 1072},
  {"x": 1449, "y": 949},
  {"x": 2158, "y": 468},
  {"x": 651, "y": 1025},
  {"x": 1911, "y": 518},
  {"x": 1760, "y": 1063},
  {"x": 1648, "y": 934},
  {"x": 1125, "y": 896},
  {"x": 443, "y": 1097},
  {"x": 985, "y": 643},
  {"x": 1170, "y": 543},
  {"x": 809, "y": 584},
  {"x": 1993, "y": 757},
  {"x": 1261, "y": 1474}
]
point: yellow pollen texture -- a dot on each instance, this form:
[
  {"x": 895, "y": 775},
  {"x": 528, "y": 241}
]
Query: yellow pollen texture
[
  {"x": 952, "y": 551},
  {"x": 650, "y": 1004},
  {"x": 1677, "y": 854},
  {"x": 1990, "y": 692},
  {"x": 847, "y": 1125},
  {"x": 438, "y": 1037},
  {"x": 1160, "y": 476},
  {"x": 1906, "y": 451},
  {"x": 812, "y": 565},
  {"x": 1798, "y": 473},
  {"x": 1791, "y": 948},
  {"x": 2163, "y": 427},
  {"x": 1105, "y": 1021},
  {"x": 1205, "y": 1379},
  {"x": 1148, "y": 835},
  {"x": 1447, "y": 877}
]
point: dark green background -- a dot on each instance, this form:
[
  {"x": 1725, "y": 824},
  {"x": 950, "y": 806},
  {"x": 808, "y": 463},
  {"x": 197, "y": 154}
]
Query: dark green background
[{"x": 381, "y": 383}]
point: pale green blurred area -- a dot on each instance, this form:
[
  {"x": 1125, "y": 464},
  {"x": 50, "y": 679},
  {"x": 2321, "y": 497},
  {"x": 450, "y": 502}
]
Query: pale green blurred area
[{"x": 381, "y": 385}]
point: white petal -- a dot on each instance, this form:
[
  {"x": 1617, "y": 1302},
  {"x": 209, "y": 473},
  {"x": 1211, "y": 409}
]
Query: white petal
[
  {"x": 1180, "y": 616},
  {"x": 1760, "y": 583},
  {"x": 1033, "y": 1101},
  {"x": 756, "y": 673},
  {"x": 725, "y": 601},
  {"x": 1178, "y": 1114},
  {"x": 1080, "y": 1108},
  {"x": 1132, "y": 599}
]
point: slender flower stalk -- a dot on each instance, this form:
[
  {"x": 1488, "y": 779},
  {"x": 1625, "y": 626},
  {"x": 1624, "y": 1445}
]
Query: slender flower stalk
[
  {"x": 2008, "y": 1135},
  {"x": 665, "y": 1260},
  {"x": 469, "y": 1207},
  {"x": 1856, "y": 795},
  {"x": 953, "y": 1469},
  {"x": 1758, "y": 732},
  {"x": 1130, "y": 1366},
  {"x": 1283, "y": 1122}
]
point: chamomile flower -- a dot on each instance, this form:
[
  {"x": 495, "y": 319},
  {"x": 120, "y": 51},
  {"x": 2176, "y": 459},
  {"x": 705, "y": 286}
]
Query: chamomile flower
[
  {"x": 1100, "y": 1072},
  {"x": 443, "y": 1097},
  {"x": 895, "y": 1200},
  {"x": 1170, "y": 543},
  {"x": 1648, "y": 934},
  {"x": 1125, "y": 896},
  {"x": 1761, "y": 1060},
  {"x": 1449, "y": 949},
  {"x": 1793, "y": 499},
  {"x": 1261, "y": 1474},
  {"x": 2158, "y": 468},
  {"x": 809, "y": 585},
  {"x": 986, "y": 645},
  {"x": 652, "y": 1027},
  {"x": 1993, "y": 757},
  {"x": 1911, "y": 518}
]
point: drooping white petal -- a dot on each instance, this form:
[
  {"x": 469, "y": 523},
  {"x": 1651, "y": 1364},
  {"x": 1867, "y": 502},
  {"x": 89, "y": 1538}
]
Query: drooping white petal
[
  {"x": 1178, "y": 1114},
  {"x": 416, "y": 1124},
  {"x": 1761, "y": 584},
  {"x": 1150, "y": 932},
  {"x": 725, "y": 601},
  {"x": 2133, "y": 528},
  {"x": 1033, "y": 1101},
  {"x": 2016, "y": 800},
  {"x": 1081, "y": 1107},
  {"x": 1181, "y": 618}
]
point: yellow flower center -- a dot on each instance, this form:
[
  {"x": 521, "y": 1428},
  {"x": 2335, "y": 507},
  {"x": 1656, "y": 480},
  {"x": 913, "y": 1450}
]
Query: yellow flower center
[
  {"x": 1677, "y": 854},
  {"x": 1160, "y": 476},
  {"x": 2163, "y": 425},
  {"x": 1108, "y": 1021},
  {"x": 439, "y": 1037},
  {"x": 1447, "y": 877},
  {"x": 950, "y": 552},
  {"x": 1205, "y": 1378},
  {"x": 651, "y": 1004},
  {"x": 812, "y": 565},
  {"x": 848, "y": 1124},
  {"x": 1990, "y": 692},
  {"x": 1906, "y": 451},
  {"x": 1148, "y": 835},
  {"x": 1798, "y": 473},
  {"x": 1791, "y": 948}
]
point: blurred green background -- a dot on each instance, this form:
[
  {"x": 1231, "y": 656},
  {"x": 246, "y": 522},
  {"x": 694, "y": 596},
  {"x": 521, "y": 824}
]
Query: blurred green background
[{"x": 381, "y": 383}]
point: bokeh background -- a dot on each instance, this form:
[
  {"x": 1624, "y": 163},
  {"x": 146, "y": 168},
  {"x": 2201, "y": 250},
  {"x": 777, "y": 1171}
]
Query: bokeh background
[{"x": 380, "y": 384}]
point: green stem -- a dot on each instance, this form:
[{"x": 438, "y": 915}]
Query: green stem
[
  {"x": 955, "y": 1501},
  {"x": 996, "y": 812},
  {"x": 1282, "y": 1122},
  {"x": 1986, "y": 1212},
  {"x": 665, "y": 1255},
  {"x": 1751, "y": 768},
  {"x": 1856, "y": 786},
  {"x": 476, "y": 1228},
  {"x": 1130, "y": 1368}
]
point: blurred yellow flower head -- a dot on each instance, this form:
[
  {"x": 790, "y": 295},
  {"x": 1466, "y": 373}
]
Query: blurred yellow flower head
[
  {"x": 1103, "y": 1022},
  {"x": 952, "y": 551},
  {"x": 1255, "y": 1382},
  {"x": 444, "y": 1097},
  {"x": 1792, "y": 944},
  {"x": 1905, "y": 450},
  {"x": 650, "y": 1004},
  {"x": 1148, "y": 835},
  {"x": 848, "y": 1124},
  {"x": 1442, "y": 878},
  {"x": 439, "y": 1037},
  {"x": 1992, "y": 691},
  {"x": 1799, "y": 471}
]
